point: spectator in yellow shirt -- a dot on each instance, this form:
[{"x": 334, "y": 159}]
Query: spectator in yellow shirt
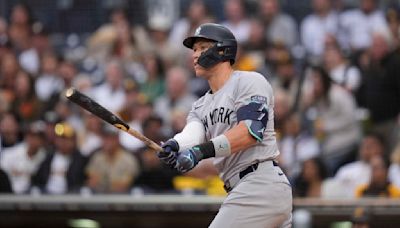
[{"x": 379, "y": 185}]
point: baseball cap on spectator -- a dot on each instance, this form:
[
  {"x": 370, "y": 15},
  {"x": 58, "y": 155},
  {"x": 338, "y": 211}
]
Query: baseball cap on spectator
[
  {"x": 159, "y": 23},
  {"x": 64, "y": 130},
  {"x": 51, "y": 117},
  {"x": 37, "y": 128}
]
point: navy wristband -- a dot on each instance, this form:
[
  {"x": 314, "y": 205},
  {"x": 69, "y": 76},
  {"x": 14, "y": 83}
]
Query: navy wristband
[{"x": 207, "y": 149}]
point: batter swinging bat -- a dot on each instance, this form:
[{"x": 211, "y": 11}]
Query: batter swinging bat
[{"x": 93, "y": 107}]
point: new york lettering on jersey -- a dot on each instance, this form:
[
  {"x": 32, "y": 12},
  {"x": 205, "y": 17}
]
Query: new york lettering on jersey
[{"x": 218, "y": 115}]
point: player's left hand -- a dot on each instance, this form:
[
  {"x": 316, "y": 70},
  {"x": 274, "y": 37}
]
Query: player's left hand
[
  {"x": 169, "y": 153},
  {"x": 188, "y": 159}
]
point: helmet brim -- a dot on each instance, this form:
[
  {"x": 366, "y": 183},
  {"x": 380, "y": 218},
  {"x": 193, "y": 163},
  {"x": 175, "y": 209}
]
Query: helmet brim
[{"x": 189, "y": 42}]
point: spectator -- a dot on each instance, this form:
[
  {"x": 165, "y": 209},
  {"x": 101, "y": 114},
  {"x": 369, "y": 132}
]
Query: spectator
[
  {"x": 25, "y": 105},
  {"x": 280, "y": 27},
  {"x": 394, "y": 169},
  {"x": 41, "y": 40},
  {"x": 62, "y": 171},
  {"x": 83, "y": 83},
  {"x": 380, "y": 68},
  {"x": 256, "y": 43},
  {"x": 22, "y": 162},
  {"x": 138, "y": 113},
  {"x": 9, "y": 69},
  {"x": 316, "y": 26},
  {"x": 21, "y": 20},
  {"x": 358, "y": 172},
  {"x": 10, "y": 135},
  {"x": 48, "y": 82},
  {"x": 311, "y": 178},
  {"x": 154, "y": 85},
  {"x": 251, "y": 54},
  {"x": 275, "y": 54},
  {"x": 159, "y": 37},
  {"x": 103, "y": 41},
  {"x": 111, "y": 169},
  {"x": 341, "y": 71},
  {"x": 335, "y": 123},
  {"x": 154, "y": 177},
  {"x": 67, "y": 72},
  {"x": 236, "y": 19},
  {"x": 358, "y": 25},
  {"x": 67, "y": 111},
  {"x": 111, "y": 93},
  {"x": 20, "y": 33},
  {"x": 124, "y": 46},
  {"x": 379, "y": 185},
  {"x": 296, "y": 146},
  {"x": 196, "y": 14},
  {"x": 286, "y": 77},
  {"x": 89, "y": 137},
  {"x": 393, "y": 20},
  {"x": 282, "y": 110},
  {"x": 177, "y": 97}
]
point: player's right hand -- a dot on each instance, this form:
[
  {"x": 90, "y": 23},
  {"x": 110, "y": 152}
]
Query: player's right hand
[{"x": 169, "y": 153}]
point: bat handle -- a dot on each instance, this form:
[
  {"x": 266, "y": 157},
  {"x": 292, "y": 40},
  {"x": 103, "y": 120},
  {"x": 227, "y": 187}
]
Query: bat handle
[{"x": 144, "y": 139}]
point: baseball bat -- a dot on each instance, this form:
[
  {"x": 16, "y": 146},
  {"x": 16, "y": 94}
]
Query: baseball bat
[{"x": 95, "y": 108}]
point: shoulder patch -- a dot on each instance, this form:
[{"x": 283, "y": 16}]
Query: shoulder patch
[{"x": 259, "y": 99}]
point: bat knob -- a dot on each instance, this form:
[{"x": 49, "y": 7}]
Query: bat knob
[{"x": 70, "y": 92}]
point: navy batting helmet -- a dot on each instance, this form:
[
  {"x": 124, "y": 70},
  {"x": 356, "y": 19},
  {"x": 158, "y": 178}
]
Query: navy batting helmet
[{"x": 224, "y": 49}]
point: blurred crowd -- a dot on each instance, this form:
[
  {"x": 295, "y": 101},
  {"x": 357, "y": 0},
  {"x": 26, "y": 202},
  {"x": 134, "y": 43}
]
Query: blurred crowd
[{"x": 335, "y": 74}]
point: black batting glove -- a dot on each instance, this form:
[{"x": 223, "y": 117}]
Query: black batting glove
[{"x": 169, "y": 153}]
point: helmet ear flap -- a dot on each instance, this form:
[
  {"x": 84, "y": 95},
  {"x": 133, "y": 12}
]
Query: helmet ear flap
[
  {"x": 210, "y": 57},
  {"x": 216, "y": 54}
]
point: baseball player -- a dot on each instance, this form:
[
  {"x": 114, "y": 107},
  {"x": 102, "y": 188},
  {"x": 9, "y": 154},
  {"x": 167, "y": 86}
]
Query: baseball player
[{"x": 233, "y": 123}]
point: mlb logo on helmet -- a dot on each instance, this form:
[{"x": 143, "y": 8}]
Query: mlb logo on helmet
[{"x": 197, "y": 32}]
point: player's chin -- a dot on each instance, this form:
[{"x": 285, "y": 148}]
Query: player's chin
[{"x": 200, "y": 71}]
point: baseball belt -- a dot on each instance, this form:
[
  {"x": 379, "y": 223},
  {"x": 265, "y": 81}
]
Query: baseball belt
[{"x": 231, "y": 183}]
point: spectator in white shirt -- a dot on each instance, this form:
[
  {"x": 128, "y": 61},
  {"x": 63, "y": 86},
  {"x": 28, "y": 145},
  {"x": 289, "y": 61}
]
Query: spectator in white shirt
[
  {"x": 22, "y": 161},
  {"x": 341, "y": 71},
  {"x": 358, "y": 172},
  {"x": 48, "y": 82},
  {"x": 316, "y": 26},
  {"x": 358, "y": 25},
  {"x": 236, "y": 20},
  {"x": 332, "y": 111},
  {"x": 296, "y": 146},
  {"x": 176, "y": 97},
  {"x": 111, "y": 93},
  {"x": 89, "y": 137},
  {"x": 280, "y": 27},
  {"x": 63, "y": 170}
]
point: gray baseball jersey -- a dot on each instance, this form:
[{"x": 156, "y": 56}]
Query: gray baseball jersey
[{"x": 217, "y": 113}]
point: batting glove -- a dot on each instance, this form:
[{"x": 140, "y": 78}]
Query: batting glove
[
  {"x": 169, "y": 153},
  {"x": 188, "y": 159}
]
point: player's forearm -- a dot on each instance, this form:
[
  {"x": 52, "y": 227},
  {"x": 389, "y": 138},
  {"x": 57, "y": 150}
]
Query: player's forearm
[{"x": 239, "y": 138}]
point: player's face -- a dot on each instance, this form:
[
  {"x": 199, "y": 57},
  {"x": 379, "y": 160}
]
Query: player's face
[{"x": 200, "y": 46}]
